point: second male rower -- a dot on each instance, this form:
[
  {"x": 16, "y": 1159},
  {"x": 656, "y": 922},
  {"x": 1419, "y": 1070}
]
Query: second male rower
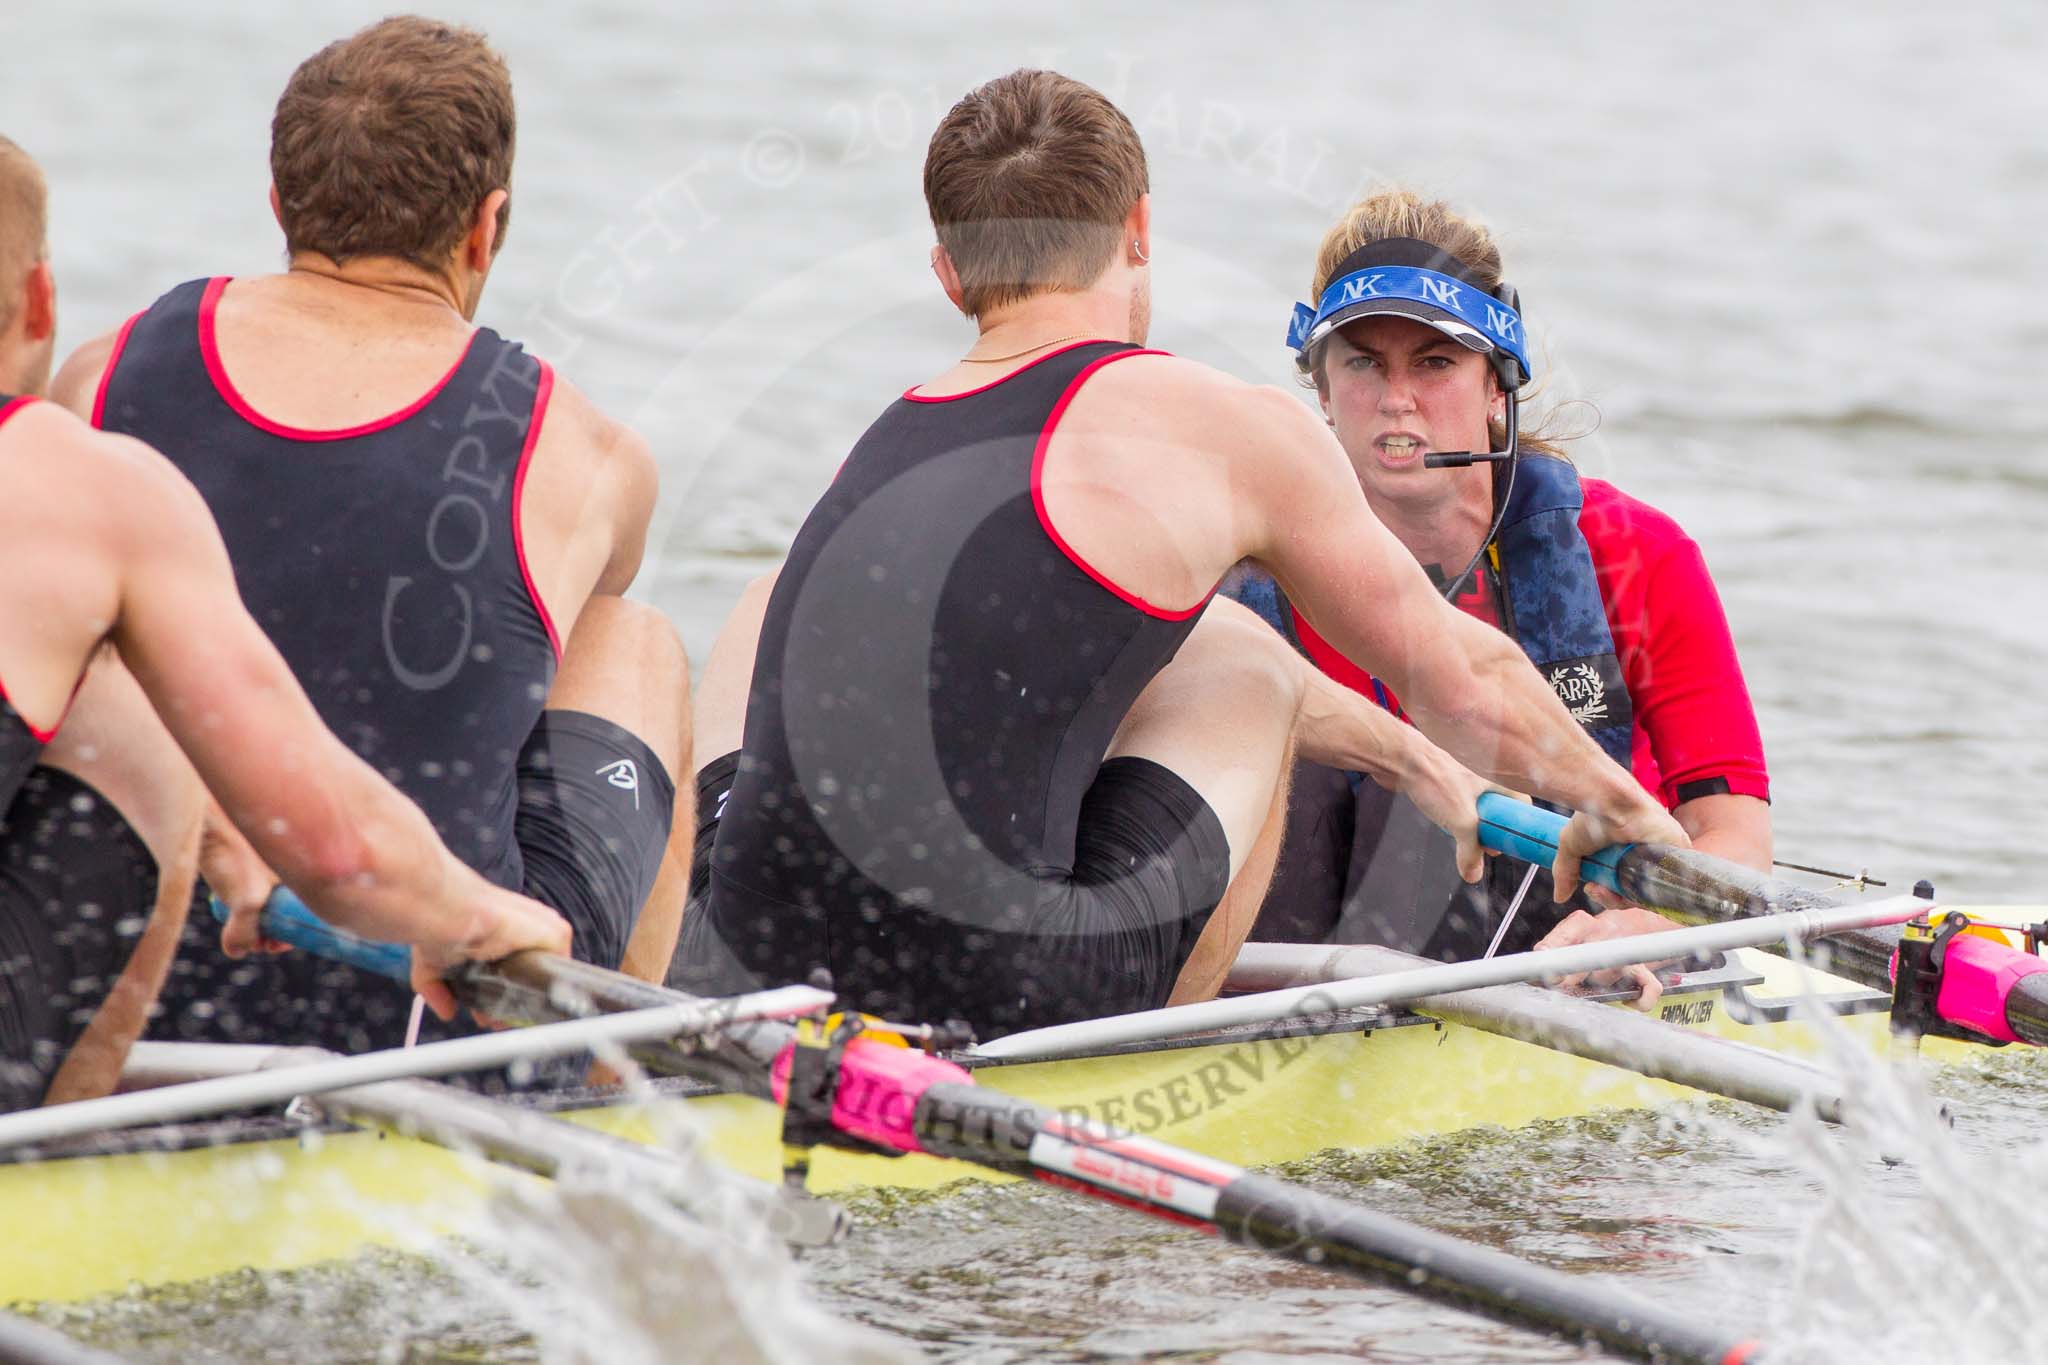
[
  {"x": 433, "y": 527},
  {"x": 1004, "y": 757}
]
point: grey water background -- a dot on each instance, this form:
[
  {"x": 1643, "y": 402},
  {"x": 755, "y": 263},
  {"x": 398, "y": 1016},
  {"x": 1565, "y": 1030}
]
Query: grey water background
[{"x": 1791, "y": 257}]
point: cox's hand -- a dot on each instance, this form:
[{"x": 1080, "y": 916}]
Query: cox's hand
[
  {"x": 234, "y": 872},
  {"x": 1448, "y": 793},
  {"x": 1623, "y": 921},
  {"x": 508, "y": 923},
  {"x": 1636, "y": 819}
]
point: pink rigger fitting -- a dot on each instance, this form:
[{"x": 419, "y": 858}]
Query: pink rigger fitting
[
  {"x": 879, "y": 1086},
  {"x": 1976, "y": 978}
]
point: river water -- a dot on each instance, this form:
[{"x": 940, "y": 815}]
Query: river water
[{"x": 1789, "y": 256}]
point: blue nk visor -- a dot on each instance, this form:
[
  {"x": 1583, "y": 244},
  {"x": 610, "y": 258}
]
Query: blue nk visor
[{"x": 1389, "y": 276}]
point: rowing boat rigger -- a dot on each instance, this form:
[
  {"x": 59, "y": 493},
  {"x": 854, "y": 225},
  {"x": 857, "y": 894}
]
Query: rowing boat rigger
[{"x": 1298, "y": 1066}]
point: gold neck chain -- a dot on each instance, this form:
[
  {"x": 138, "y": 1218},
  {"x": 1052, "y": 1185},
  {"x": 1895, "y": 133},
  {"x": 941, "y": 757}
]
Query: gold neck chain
[{"x": 999, "y": 359}]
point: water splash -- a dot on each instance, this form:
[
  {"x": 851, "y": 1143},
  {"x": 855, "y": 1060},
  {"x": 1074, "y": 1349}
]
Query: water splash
[
  {"x": 599, "y": 1276},
  {"x": 1929, "y": 1259},
  {"x": 601, "y": 1273}
]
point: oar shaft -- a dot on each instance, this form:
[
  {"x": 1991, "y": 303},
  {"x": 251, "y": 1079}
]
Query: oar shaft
[
  {"x": 1529, "y": 832},
  {"x": 1259, "y": 1211},
  {"x": 288, "y": 919},
  {"x": 532, "y": 988},
  {"x": 1626, "y": 1039},
  {"x": 506, "y": 1133},
  {"x": 1152, "y": 1025},
  {"x": 2026, "y": 1011},
  {"x": 1655, "y": 875},
  {"x": 1688, "y": 885},
  {"x": 911, "y": 1102},
  {"x": 997, "y": 1130},
  {"x": 555, "y": 1148},
  {"x": 173, "y": 1103},
  {"x": 27, "y": 1343},
  {"x": 1994, "y": 991},
  {"x": 536, "y": 988}
]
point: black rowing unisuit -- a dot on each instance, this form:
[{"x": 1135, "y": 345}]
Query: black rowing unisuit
[
  {"x": 937, "y": 681},
  {"x": 20, "y": 747},
  {"x": 20, "y": 744},
  {"x": 384, "y": 561},
  {"x": 76, "y": 886}
]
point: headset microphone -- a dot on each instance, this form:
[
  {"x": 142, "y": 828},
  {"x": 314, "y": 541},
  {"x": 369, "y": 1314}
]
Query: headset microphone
[{"x": 1512, "y": 374}]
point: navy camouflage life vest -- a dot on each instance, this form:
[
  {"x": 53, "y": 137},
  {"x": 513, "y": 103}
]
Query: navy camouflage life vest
[{"x": 1553, "y": 605}]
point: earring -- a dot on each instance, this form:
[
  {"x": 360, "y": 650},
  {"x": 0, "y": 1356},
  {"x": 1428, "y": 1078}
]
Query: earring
[{"x": 1139, "y": 247}]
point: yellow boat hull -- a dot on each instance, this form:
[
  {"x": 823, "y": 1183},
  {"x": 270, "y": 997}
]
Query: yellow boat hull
[{"x": 84, "y": 1226}]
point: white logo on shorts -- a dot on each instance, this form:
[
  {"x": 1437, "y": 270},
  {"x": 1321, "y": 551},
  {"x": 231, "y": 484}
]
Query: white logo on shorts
[{"x": 624, "y": 776}]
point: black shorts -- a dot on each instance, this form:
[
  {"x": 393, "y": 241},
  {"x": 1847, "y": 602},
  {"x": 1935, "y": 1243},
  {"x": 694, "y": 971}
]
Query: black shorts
[
  {"x": 701, "y": 963},
  {"x": 595, "y": 806},
  {"x": 591, "y": 828},
  {"x": 1151, "y": 864},
  {"x": 77, "y": 886}
]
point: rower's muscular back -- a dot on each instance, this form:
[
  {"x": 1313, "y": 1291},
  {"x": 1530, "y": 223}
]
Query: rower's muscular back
[
  {"x": 1163, "y": 473},
  {"x": 63, "y": 591},
  {"x": 324, "y": 354}
]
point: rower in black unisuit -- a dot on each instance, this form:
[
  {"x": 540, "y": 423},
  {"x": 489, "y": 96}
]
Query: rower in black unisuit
[
  {"x": 20, "y": 743},
  {"x": 386, "y": 563},
  {"x": 77, "y": 885},
  {"x": 921, "y": 803}
]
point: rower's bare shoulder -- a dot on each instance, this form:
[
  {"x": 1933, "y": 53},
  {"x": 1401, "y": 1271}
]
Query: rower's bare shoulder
[
  {"x": 161, "y": 503},
  {"x": 69, "y": 452},
  {"x": 1201, "y": 398},
  {"x": 77, "y": 382},
  {"x": 576, "y": 433},
  {"x": 1212, "y": 391},
  {"x": 105, "y": 490}
]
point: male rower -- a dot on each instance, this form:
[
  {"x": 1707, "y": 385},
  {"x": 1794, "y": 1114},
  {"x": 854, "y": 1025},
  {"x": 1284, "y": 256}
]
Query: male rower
[
  {"x": 432, "y": 526},
  {"x": 103, "y": 543},
  {"x": 1004, "y": 758}
]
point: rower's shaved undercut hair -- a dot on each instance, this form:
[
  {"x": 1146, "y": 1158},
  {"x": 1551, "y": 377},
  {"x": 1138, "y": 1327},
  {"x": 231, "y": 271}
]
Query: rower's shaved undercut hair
[
  {"x": 1029, "y": 179},
  {"x": 384, "y": 143},
  {"x": 24, "y": 223}
]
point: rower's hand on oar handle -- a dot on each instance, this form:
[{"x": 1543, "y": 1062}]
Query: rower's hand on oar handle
[
  {"x": 506, "y": 923},
  {"x": 240, "y": 880},
  {"x": 1623, "y": 921},
  {"x": 1633, "y": 817},
  {"x": 1447, "y": 793}
]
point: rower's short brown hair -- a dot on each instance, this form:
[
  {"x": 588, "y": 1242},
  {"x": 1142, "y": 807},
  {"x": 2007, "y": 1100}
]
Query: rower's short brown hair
[
  {"x": 1029, "y": 179},
  {"x": 24, "y": 222},
  {"x": 384, "y": 143}
]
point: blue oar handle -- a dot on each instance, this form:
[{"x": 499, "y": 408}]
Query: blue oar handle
[
  {"x": 286, "y": 919},
  {"x": 1529, "y": 832}
]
